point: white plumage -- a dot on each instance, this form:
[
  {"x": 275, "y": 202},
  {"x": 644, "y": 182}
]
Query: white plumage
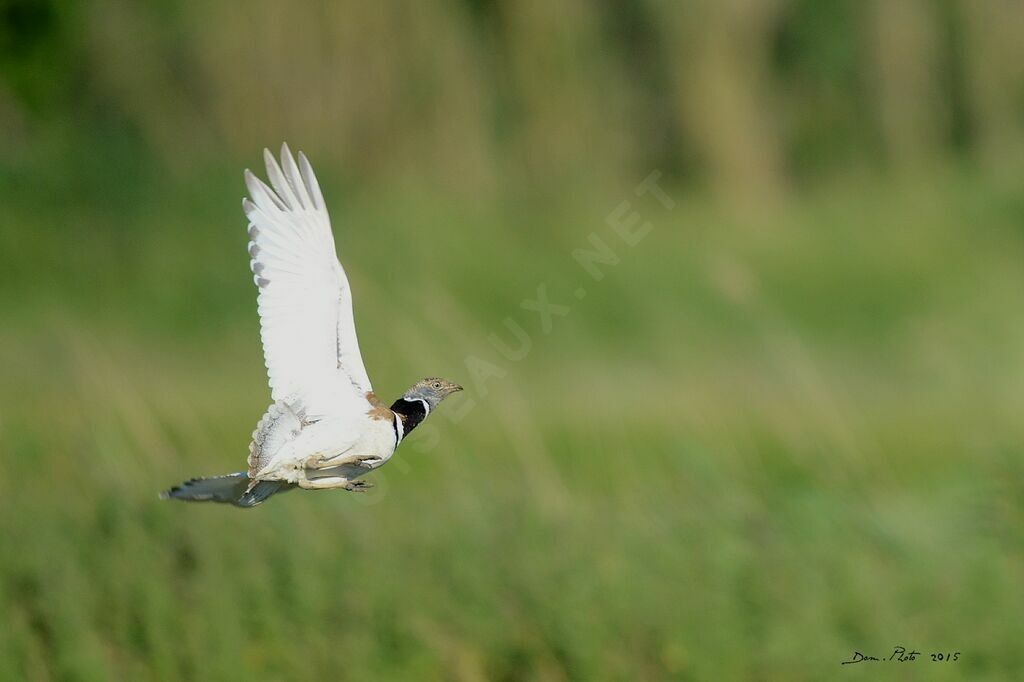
[
  {"x": 304, "y": 302},
  {"x": 325, "y": 427},
  {"x": 316, "y": 372}
]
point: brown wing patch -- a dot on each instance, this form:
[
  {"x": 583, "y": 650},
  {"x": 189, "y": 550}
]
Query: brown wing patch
[
  {"x": 379, "y": 409},
  {"x": 381, "y": 413}
]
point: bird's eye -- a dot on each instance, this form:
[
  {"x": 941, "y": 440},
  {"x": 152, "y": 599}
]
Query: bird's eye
[{"x": 437, "y": 384}]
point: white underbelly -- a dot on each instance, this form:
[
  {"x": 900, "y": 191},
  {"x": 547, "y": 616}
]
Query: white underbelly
[
  {"x": 377, "y": 441},
  {"x": 326, "y": 440}
]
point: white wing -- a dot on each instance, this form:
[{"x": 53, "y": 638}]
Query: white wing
[{"x": 305, "y": 303}]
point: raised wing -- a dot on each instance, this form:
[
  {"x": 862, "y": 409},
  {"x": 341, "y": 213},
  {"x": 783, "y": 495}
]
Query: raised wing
[{"x": 305, "y": 303}]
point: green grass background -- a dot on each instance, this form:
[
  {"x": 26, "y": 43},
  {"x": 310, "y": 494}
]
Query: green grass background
[
  {"x": 785, "y": 427},
  {"x": 756, "y": 446}
]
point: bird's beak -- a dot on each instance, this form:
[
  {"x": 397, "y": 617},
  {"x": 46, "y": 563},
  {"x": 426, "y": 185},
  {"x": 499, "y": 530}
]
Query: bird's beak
[{"x": 456, "y": 387}]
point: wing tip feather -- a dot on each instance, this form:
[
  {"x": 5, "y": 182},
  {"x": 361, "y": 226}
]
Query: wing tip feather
[
  {"x": 316, "y": 196},
  {"x": 262, "y": 195}
]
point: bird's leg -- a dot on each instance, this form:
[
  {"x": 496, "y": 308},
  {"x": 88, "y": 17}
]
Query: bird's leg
[
  {"x": 323, "y": 483},
  {"x": 328, "y": 482},
  {"x": 321, "y": 462}
]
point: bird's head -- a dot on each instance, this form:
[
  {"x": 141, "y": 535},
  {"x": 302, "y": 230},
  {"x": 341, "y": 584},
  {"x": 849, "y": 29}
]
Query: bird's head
[{"x": 432, "y": 390}]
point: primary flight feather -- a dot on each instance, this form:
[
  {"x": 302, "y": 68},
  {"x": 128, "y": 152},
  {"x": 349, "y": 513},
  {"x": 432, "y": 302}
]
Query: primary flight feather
[{"x": 325, "y": 427}]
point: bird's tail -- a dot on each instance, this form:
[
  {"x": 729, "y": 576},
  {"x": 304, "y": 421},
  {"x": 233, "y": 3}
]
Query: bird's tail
[{"x": 230, "y": 489}]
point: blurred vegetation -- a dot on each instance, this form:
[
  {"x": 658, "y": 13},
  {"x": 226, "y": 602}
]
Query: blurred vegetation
[
  {"x": 786, "y": 426},
  {"x": 747, "y": 97}
]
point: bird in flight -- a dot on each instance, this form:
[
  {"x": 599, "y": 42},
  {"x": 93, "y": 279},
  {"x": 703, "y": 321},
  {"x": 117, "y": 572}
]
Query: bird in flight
[{"x": 325, "y": 428}]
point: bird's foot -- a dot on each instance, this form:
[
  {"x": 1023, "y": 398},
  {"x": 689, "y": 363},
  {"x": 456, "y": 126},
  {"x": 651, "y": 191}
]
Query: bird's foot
[{"x": 358, "y": 486}]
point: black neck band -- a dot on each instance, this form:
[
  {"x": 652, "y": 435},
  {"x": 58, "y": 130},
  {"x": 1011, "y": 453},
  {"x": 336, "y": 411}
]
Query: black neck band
[{"x": 412, "y": 412}]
